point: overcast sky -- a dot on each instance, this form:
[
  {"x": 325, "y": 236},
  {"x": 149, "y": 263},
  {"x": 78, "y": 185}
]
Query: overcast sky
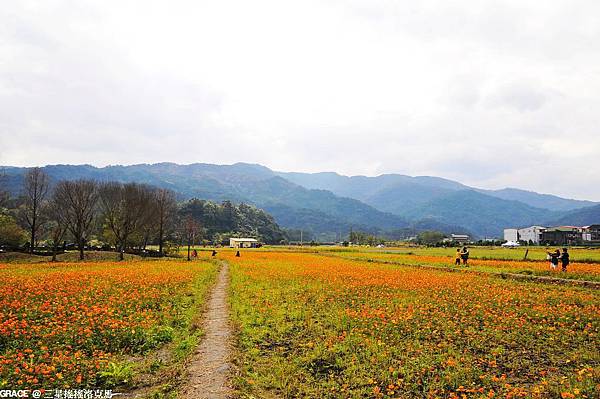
[{"x": 490, "y": 93}]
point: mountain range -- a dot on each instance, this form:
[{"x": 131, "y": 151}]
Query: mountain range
[{"x": 328, "y": 204}]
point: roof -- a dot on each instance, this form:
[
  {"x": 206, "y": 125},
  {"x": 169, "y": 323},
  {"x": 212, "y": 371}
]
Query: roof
[
  {"x": 244, "y": 239},
  {"x": 563, "y": 228}
]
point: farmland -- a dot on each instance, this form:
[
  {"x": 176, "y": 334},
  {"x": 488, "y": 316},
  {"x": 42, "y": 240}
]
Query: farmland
[
  {"x": 576, "y": 270},
  {"x": 321, "y": 326},
  {"x": 81, "y": 324},
  {"x": 535, "y": 253},
  {"x": 585, "y": 261},
  {"x": 315, "y": 322}
]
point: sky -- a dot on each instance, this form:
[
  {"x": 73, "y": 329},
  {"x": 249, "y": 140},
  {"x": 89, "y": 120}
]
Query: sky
[{"x": 490, "y": 93}]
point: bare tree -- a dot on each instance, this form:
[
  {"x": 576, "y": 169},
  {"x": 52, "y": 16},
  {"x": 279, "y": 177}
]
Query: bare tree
[
  {"x": 190, "y": 228},
  {"x": 35, "y": 190},
  {"x": 78, "y": 200},
  {"x": 126, "y": 209},
  {"x": 149, "y": 223},
  {"x": 166, "y": 208},
  {"x": 57, "y": 220}
]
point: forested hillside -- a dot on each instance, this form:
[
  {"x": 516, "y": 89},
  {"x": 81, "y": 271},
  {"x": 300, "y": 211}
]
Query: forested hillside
[{"x": 328, "y": 205}]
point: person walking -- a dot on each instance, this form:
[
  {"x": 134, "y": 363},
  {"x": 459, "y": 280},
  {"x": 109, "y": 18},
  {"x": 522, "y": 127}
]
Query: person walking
[
  {"x": 564, "y": 259},
  {"x": 465, "y": 256},
  {"x": 458, "y": 257}
]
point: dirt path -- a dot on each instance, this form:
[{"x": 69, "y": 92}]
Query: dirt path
[{"x": 210, "y": 365}]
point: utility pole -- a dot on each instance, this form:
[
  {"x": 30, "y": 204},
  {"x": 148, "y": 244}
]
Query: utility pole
[{"x": 301, "y": 242}]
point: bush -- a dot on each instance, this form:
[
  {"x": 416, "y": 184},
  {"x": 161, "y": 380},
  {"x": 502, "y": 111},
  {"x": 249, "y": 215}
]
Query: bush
[
  {"x": 430, "y": 237},
  {"x": 11, "y": 234},
  {"x": 116, "y": 374}
]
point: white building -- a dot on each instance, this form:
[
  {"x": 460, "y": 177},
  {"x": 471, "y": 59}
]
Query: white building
[
  {"x": 243, "y": 243},
  {"x": 527, "y": 234},
  {"x": 511, "y": 235},
  {"x": 591, "y": 233},
  {"x": 533, "y": 234},
  {"x": 462, "y": 238}
]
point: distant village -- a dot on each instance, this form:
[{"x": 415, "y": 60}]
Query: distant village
[{"x": 560, "y": 235}]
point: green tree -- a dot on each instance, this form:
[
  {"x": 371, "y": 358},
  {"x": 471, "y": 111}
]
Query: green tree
[
  {"x": 10, "y": 233},
  {"x": 430, "y": 237},
  {"x": 221, "y": 221}
]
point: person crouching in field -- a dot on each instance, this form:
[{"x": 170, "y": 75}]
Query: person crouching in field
[
  {"x": 553, "y": 257},
  {"x": 564, "y": 259},
  {"x": 458, "y": 257}
]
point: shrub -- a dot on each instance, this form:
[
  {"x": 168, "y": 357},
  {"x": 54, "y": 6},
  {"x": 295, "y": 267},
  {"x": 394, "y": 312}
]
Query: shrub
[{"x": 10, "y": 233}]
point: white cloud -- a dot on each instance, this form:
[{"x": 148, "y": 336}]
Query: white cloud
[{"x": 492, "y": 93}]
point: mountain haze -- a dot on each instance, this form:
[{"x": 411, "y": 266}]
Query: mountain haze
[
  {"x": 240, "y": 182},
  {"x": 579, "y": 217},
  {"x": 329, "y": 205},
  {"x": 483, "y": 214},
  {"x": 545, "y": 201},
  {"x": 403, "y": 190}
]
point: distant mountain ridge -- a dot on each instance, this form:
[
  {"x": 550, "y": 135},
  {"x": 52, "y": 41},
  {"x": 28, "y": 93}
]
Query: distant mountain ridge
[
  {"x": 482, "y": 213},
  {"x": 329, "y": 204},
  {"x": 579, "y": 217},
  {"x": 390, "y": 186},
  {"x": 240, "y": 182},
  {"x": 545, "y": 201}
]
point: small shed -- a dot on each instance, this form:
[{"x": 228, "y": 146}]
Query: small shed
[{"x": 243, "y": 243}]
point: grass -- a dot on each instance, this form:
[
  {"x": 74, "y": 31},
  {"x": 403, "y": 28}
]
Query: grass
[{"x": 315, "y": 326}]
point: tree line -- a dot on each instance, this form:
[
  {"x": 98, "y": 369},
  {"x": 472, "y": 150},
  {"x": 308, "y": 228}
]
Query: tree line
[{"x": 123, "y": 216}]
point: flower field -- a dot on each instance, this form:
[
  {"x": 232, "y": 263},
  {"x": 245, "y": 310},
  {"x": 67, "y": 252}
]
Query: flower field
[
  {"x": 328, "y": 327},
  {"x": 576, "y": 270},
  {"x": 535, "y": 253},
  {"x": 62, "y": 325}
]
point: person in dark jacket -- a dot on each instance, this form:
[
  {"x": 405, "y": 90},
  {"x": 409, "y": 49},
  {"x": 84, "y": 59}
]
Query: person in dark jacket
[
  {"x": 465, "y": 256},
  {"x": 564, "y": 259}
]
